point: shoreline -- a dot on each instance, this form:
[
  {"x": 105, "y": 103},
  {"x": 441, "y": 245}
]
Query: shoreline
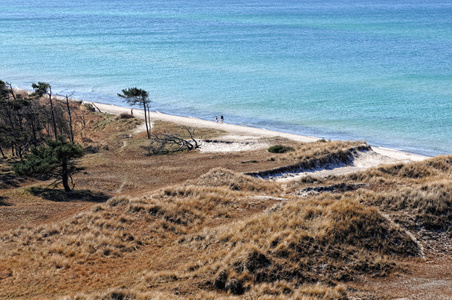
[{"x": 240, "y": 130}]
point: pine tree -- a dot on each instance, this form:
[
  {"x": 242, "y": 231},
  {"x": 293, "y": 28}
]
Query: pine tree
[
  {"x": 55, "y": 159},
  {"x": 135, "y": 96}
]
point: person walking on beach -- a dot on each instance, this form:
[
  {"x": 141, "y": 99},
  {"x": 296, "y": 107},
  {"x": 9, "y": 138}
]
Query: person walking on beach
[
  {"x": 216, "y": 119},
  {"x": 222, "y": 119}
]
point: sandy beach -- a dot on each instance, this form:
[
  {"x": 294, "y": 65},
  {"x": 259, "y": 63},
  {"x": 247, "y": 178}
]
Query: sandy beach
[
  {"x": 243, "y": 138},
  {"x": 241, "y": 134}
]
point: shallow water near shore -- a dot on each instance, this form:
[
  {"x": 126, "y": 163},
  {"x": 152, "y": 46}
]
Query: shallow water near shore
[{"x": 379, "y": 72}]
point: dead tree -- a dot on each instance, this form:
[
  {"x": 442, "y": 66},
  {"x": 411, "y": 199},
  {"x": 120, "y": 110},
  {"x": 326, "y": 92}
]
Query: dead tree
[
  {"x": 165, "y": 143},
  {"x": 41, "y": 89},
  {"x": 70, "y": 117}
]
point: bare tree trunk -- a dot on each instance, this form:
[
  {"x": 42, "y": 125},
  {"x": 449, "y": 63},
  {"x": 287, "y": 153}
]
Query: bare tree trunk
[
  {"x": 149, "y": 119},
  {"x": 65, "y": 177},
  {"x": 53, "y": 114},
  {"x": 33, "y": 129},
  {"x": 1, "y": 151},
  {"x": 70, "y": 118},
  {"x": 11, "y": 90},
  {"x": 14, "y": 133},
  {"x": 171, "y": 143},
  {"x": 146, "y": 119}
]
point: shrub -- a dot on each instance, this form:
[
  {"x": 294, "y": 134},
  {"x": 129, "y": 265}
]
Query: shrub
[
  {"x": 280, "y": 149},
  {"x": 126, "y": 116}
]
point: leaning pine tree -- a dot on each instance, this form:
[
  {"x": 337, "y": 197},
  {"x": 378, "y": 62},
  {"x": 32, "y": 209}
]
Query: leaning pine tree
[
  {"x": 135, "y": 96},
  {"x": 55, "y": 159}
]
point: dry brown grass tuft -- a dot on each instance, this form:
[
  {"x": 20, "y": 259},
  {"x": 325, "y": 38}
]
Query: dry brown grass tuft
[
  {"x": 237, "y": 182},
  {"x": 326, "y": 239},
  {"x": 417, "y": 195},
  {"x": 323, "y": 148},
  {"x": 121, "y": 227},
  {"x": 436, "y": 168},
  {"x": 226, "y": 235},
  {"x": 426, "y": 207},
  {"x": 286, "y": 290},
  {"x": 222, "y": 234},
  {"x": 262, "y": 291},
  {"x": 98, "y": 233}
]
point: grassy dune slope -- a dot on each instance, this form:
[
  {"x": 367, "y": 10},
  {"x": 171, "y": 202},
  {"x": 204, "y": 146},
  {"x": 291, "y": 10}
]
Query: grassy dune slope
[{"x": 179, "y": 226}]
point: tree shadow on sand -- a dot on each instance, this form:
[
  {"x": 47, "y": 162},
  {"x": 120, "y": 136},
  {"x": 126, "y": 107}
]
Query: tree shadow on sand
[
  {"x": 3, "y": 202},
  {"x": 9, "y": 179},
  {"x": 58, "y": 195}
]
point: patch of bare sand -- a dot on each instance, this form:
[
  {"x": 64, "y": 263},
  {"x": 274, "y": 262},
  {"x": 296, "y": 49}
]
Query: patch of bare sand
[
  {"x": 233, "y": 143},
  {"x": 362, "y": 160}
]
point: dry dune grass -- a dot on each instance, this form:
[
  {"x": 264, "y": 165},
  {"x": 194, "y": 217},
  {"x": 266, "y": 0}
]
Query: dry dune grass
[
  {"x": 417, "y": 196},
  {"x": 322, "y": 148},
  {"x": 172, "y": 219},
  {"x": 305, "y": 241},
  {"x": 114, "y": 230},
  {"x": 423, "y": 190},
  {"x": 182, "y": 227},
  {"x": 263, "y": 291},
  {"x": 433, "y": 169},
  {"x": 237, "y": 182},
  {"x": 223, "y": 235}
]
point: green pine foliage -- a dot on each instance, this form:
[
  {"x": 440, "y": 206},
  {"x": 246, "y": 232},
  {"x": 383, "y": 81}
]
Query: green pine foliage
[
  {"x": 55, "y": 159},
  {"x": 135, "y": 96}
]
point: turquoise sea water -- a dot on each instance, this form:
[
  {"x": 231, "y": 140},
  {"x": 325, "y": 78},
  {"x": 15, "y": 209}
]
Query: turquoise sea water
[{"x": 379, "y": 71}]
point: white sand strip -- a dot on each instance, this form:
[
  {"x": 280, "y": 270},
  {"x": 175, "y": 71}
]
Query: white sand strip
[
  {"x": 393, "y": 156},
  {"x": 400, "y": 156},
  {"x": 195, "y": 122},
  {"x": 362, "y": 161}
]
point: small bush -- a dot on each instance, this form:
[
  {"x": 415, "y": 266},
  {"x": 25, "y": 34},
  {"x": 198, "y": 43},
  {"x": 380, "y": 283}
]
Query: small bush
[
  {"x": 280, "y": 149},
  {"x": 126, "y": 116}
]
